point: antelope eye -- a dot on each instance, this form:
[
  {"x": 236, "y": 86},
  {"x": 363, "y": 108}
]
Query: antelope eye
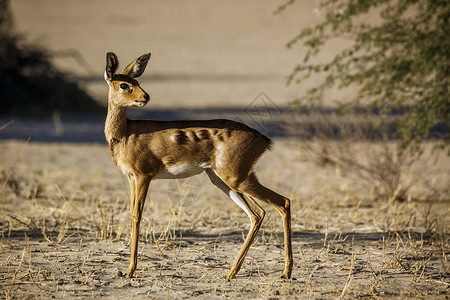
[{"x": 124, "y": 86}]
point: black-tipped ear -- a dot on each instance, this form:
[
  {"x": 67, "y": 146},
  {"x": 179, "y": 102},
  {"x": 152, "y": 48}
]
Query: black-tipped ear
[
  {"x": 137, "y": 67},
  {"x": 111, "y": 65}
]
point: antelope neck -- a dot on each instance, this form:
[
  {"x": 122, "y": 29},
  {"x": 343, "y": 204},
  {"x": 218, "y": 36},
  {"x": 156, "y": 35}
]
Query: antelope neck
[{"x": 116, "y": 123}]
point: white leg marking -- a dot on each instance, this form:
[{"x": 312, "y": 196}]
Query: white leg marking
[
  {"x": 238, "y": 199},
  {"x": 234, "y": 195}
]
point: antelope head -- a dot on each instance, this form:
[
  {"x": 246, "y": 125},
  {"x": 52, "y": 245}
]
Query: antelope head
[{"x": 124, "y": 89}]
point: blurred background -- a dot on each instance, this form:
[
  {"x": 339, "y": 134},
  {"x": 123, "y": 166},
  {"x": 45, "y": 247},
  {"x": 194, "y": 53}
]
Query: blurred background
[{"x": 209, "y": 59}]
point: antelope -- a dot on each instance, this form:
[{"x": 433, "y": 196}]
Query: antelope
[{"x": 149, "y": 149}]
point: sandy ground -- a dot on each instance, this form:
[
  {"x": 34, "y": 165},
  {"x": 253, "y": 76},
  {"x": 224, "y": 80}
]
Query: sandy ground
[
  {"x": 65, "y": 232},
  {"x": 64, "y": 206}
]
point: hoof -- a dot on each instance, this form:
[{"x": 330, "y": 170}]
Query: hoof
[
  {"x": 231, "y": 275},
  {"x": 286, "y": 273},
  {"x": 130, "y": 273}
]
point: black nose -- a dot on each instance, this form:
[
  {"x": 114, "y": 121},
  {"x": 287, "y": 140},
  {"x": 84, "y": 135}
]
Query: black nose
[{"x": 146, "y": 97}]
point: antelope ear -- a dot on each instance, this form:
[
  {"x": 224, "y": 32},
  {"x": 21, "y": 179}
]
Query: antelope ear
[
  {"x": 111, "y": 66},
  {"x": 137, "y": 67}
]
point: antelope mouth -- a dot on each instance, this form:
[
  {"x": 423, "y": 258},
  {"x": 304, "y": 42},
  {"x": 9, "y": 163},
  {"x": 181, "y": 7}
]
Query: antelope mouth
[{"x": 141, "y": 102}]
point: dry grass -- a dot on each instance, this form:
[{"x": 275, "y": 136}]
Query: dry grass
[
  {"x": 65, "y": 231},
  {"x": 340, "y": 139}
]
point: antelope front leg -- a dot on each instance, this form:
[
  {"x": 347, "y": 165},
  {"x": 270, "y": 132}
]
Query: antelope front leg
[
  {"x": 141, "y": 187},
  {"x": 132, "y": 183}
]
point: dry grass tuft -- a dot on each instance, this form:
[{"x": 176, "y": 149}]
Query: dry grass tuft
[{"x": 360, "y": 146}]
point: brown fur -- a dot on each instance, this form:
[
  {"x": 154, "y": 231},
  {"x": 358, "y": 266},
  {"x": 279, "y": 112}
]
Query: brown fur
[{"x": 150, "y": 149}]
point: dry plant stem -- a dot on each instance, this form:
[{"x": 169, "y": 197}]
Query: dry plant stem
[
  {"x": 350, "y": 277},
  {"x": 6, "y": 125},
  {"x": 32, "y": 227},
  {"x": 146, "y": 149},
  {"x": 8, "y": 293}
]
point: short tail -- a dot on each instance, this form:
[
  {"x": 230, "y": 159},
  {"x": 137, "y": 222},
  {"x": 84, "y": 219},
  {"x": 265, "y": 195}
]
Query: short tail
[{"x": 268, "y": 141}]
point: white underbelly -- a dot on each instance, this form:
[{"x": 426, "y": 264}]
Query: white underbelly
[{"x": 172, "y": 172}]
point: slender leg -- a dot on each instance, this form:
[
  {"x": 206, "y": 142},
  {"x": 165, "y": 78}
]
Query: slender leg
[
  {"x": 256, "y": 214},
  {"x": 254, "y": 189},
  {"x": 252, "y": 209},
  {"x": 132, "y": 183},
  {"x": 141, "y": 188}
]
